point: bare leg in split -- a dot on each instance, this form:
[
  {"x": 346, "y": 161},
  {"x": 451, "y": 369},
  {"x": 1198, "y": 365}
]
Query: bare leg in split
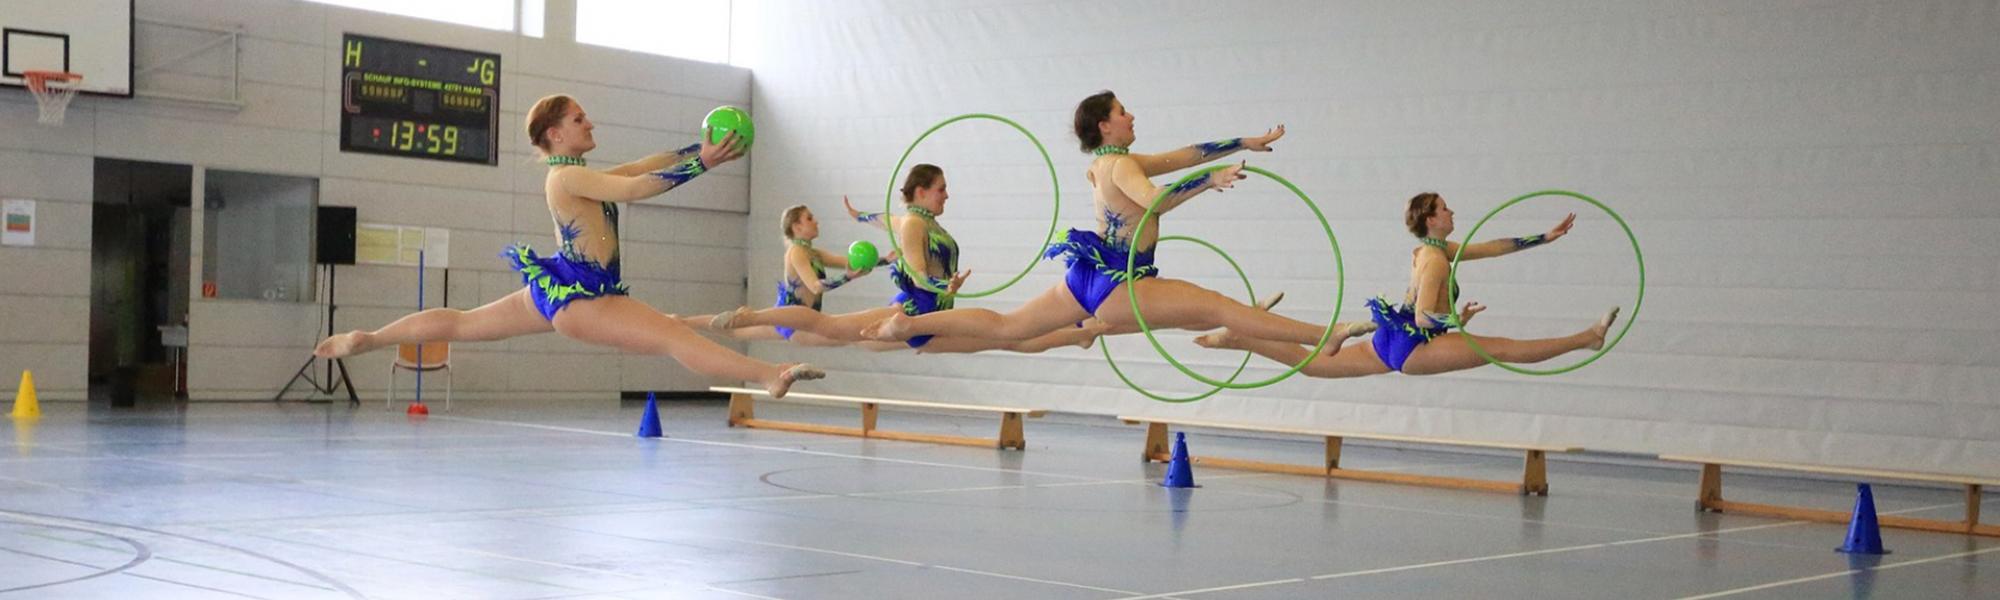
[
  {"x": 617, "y": 321},
  {"x": 814, "y": 328},
  {"x": 1447, "y": 353},
  {"x": 1167, "y": 304}
]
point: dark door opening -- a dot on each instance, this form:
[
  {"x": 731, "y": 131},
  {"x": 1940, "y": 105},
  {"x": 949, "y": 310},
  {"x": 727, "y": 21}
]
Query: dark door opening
[{"x": 139, "y": 248}]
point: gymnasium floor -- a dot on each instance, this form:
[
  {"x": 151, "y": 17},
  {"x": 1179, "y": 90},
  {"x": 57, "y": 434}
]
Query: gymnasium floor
[{"x": 515, "y": 501}]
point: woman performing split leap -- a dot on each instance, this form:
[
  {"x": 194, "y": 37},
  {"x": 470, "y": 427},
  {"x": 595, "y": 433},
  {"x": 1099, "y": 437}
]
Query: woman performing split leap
[
  {"x": 1096, "y": 284},
  {"x": 578, "y": 292},
  {"x": 1415, "y": 336},
  {"x": 803, "y": 282},
  {"x": 932, "y": 256}
]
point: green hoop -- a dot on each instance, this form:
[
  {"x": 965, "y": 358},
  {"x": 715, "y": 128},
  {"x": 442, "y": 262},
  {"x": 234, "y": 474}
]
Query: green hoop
[
  {"x": 889, "y": 203},
  {"x": 1106, "y": 346},
  {"x": 1131, "y": 260},
  {"x": 1609, "y": 344}
]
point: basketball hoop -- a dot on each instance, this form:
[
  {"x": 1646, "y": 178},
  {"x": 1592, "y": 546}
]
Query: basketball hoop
[{"x": 53, "y": 90}]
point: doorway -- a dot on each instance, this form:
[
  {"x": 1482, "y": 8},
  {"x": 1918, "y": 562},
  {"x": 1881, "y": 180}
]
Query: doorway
[{"x": 140, "y": 240}]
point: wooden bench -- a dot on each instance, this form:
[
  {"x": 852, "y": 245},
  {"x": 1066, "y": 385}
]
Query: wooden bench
[
  {"x": 743, "y": 413},
  {"x": 1711, "y": 494},
  {"x": 1534, "y": 473}
]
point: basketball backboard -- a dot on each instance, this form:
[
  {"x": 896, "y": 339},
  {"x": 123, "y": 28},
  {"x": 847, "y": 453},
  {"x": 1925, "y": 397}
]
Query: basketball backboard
[{"x": 92, "y": 38}]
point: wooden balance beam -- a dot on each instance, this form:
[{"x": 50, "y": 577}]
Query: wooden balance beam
[
  {"x": 1711, "y": 495},
  {"x": 1534, "y": 472},
  {"x": 743, "y": 413}
]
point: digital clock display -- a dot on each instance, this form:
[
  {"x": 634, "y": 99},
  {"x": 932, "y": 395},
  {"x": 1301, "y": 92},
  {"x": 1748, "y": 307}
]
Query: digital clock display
[{"x": 409, "y": 99}]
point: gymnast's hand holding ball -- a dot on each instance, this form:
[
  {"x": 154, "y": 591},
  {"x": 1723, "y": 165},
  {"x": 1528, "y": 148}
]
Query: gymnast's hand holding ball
[
  {"x": 728, "y": 149},
  {"x": 725, "y": 120},
  {"x": 726, "y": 135},
  {"x": 862, "y": 258}
]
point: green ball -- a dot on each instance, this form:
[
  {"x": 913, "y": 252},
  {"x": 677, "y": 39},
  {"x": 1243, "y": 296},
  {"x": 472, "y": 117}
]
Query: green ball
[
  {"x": 725, "y": 119},
  {"x": 861, "y": 256}
]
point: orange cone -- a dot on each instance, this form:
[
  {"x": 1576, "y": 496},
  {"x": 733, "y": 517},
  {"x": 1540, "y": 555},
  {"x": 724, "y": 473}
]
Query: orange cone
[{"x": 25, "y": 404}]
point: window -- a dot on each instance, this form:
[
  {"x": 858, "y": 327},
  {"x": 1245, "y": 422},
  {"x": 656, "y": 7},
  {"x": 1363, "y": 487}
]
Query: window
[
  {"x": 257, "y": 232},
  {"x": 533, "y": 17},
  {"x": 488, "y": 14},
  {"x": 691, "y": 29}
]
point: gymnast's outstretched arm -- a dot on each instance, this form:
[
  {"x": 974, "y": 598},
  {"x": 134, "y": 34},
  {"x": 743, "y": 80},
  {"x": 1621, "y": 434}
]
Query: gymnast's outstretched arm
[
  {"x": 1506, "y": 246},
  {"x": 1167, "y": 162},
  {"x": 878, "y": 220},
  {"x": 604, "y": 186},
  {"x": 1131, "y": 179},
  {"x": 655, "y": 162}
]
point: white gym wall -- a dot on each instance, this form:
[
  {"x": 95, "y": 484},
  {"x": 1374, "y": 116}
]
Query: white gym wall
[
  {"x": 683, "y": 251},
  {"x": 1813, "y": 183}
]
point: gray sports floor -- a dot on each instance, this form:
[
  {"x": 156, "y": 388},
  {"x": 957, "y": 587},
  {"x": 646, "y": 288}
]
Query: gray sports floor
[{"x": 517, "y": 501}]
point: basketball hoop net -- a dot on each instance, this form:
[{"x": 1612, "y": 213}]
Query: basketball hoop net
[{"x": 53, "y": 90}]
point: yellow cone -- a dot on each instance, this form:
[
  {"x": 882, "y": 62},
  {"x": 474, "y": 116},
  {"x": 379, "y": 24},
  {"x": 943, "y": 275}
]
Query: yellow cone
[{"x": 25, "y": 404}]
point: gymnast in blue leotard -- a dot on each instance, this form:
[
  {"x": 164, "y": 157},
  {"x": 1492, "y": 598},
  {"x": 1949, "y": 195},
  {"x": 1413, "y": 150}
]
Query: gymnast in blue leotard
[
  {"x": 577, "y": 292},
  {"x": 922, "y": 286},
  {"x": 1415, "y": 334},
  {"x": 803, "y": 282}
]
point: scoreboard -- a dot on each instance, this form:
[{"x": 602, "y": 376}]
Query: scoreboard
[{"x": 417, "y": 100}]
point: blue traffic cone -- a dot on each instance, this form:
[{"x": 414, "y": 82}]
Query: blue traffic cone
[
  {"x": 1180, "y": 471},
  {"x": 1864, "y": 535},
  {"x": 649, "y": 424}
]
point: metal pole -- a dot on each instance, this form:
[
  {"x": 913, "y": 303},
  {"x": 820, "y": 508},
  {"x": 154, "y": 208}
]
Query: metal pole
[{"x": 420, "y": 343}]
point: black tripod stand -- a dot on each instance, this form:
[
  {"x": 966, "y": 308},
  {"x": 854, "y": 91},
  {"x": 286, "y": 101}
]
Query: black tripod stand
[{"x": 305, "y": 369}]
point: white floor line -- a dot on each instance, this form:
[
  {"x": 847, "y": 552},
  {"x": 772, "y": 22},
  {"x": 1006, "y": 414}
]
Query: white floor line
[
  {"x": 1461, "y": 561},
  {"x": 885, "y": 559},
  {"x": 1776, "y": 584},
  {"x": 1032, "y": 580},
  {"x": 743, "y": 594},
  {"x": 1240, "y": 586}
]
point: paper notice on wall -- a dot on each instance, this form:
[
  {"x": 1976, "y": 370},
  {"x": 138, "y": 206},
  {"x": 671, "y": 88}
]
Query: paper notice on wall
[
  {"x": 377, "y": 244},
  {"x": 17, "y": 222},
  {"x": 437, "y": 247},
  {"x": 411, "y": 241},
  {"x": 380, "y": 244}
]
